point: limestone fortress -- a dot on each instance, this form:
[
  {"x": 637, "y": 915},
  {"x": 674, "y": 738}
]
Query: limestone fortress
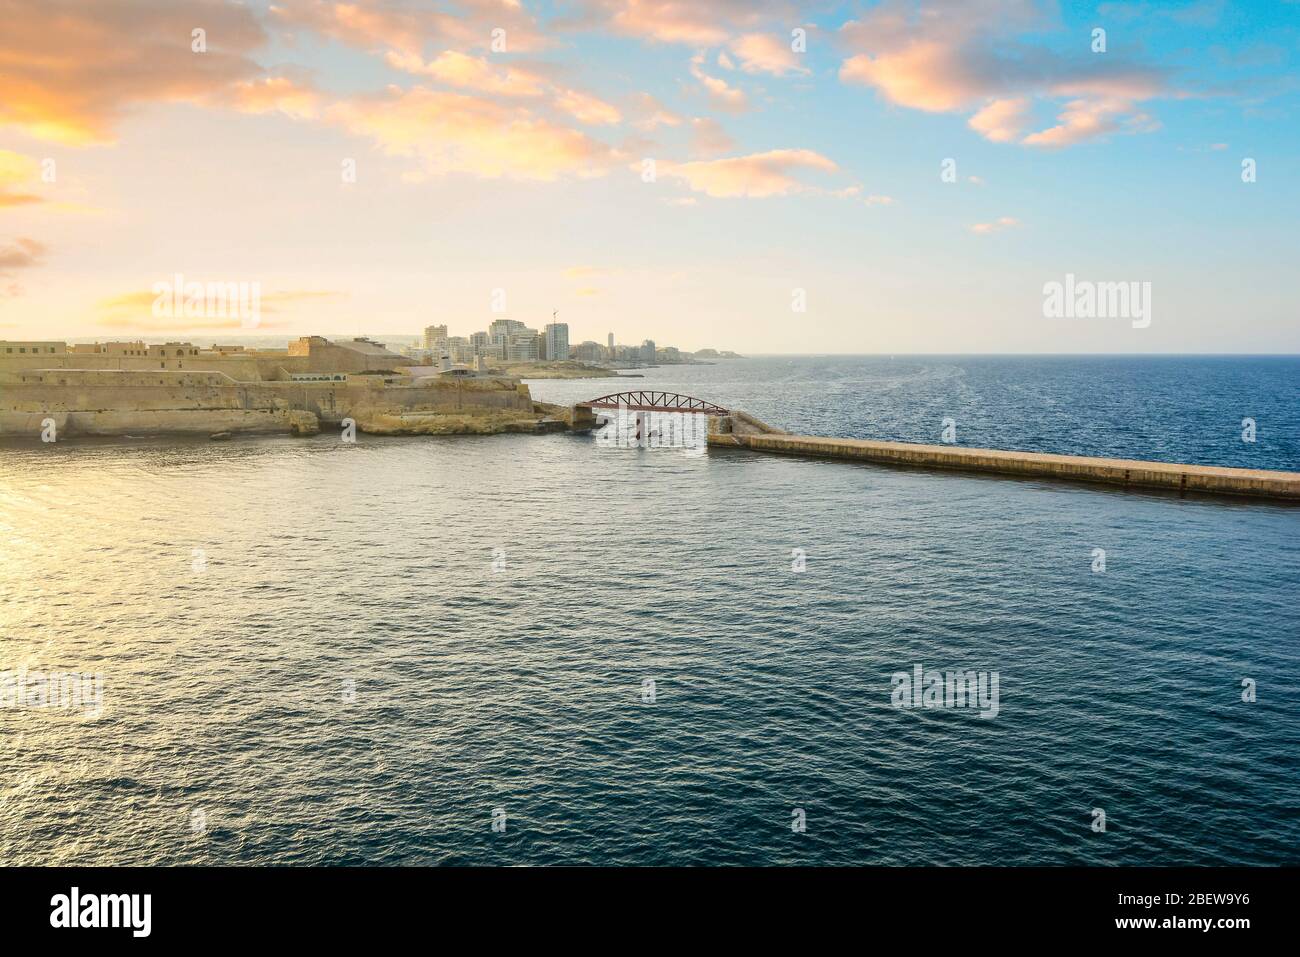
[{"x": 136, "y": 388}]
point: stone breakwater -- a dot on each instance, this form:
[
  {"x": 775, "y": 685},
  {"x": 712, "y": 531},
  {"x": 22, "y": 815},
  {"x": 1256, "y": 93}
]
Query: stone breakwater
[{"x": 1254, "y": 483}]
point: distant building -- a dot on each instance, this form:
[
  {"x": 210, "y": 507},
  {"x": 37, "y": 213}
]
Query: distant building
[
  {"x": 557, "y": 341},
  {"x": 504, "y": 327},
  {"x": 522, "y": 346},
  {"x": 589, "y": 351},
  {"x": 32, "y": 348},
  {"x": 137, "y": 349},
  {"x": 435, "y": 338},
  {"x": 346, "y": 355},
  {"x": 648, "y": 352},
  {"x": 459, "y": 349},
  {"x": 170, "y": 349},
  {"x": 611, "y": 345},
  {"x": 481, "y": 344}
]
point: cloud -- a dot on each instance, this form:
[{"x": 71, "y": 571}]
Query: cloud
[
  {"x": 457, "y": 133},
  {"x": 17, "y": 172},
  {"x": 277, "y": 94},
  {"x": 877, "y": 199},
  {"x": 722, "y": 95},
  {"x": 690, "y": 22},
  {"x": 999, "y": 224},
  {"x": 587, "y": 109},
  {"x": 708, "y": 138},
  {"x": 276, "y": 301},
  {"x": 1002, "y": 121},
  {"x": 1083, "y": 120},
  {"x": 764, "y": 53},
  {"x": 21, "y": 254},
  {"x": 959, "y": 57},
  {"x": 73, "y": 70},
  {"x": 667, "y": 21},
  {"x": 586, "y": 274},
  {"x": 470, "y": 72},
  {"x": 408, "y": 26},
  {"x": 652, "y": 113},
  {"x": 758, "y": 175}
]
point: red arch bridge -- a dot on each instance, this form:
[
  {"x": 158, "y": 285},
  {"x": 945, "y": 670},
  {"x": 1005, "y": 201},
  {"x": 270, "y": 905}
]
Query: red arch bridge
[{"x": 643, "y": 401}]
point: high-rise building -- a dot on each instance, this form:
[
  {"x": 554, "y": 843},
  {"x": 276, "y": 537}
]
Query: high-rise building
[
  {"x": 648, "y": 352},
  {"x": 611, "y": 345},
  {"x": 557, "y": 340},
  {"x": 522, "y": 346},
  {"x": 435, "y": 337},
  {"x": 504, "y": 327}
]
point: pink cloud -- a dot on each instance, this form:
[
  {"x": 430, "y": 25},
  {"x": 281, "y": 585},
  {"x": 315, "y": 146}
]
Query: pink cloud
[
  {"x": 758, "y": 175},
  {"x": 1002, "y": 121},
  {"x": 73, "y": 70},
  {"x": 692, "y": 22},
  {"x": 766, "y": 53},
  {"x": 997, "y": 225},
  {"x": 723, "y": 95},
  {"x": 953, "y": 57},
  {"x": 1083, "y": 120}
]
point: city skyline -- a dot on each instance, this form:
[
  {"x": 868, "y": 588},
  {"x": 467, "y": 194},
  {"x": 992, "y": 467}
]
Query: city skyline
[{"x": 858, "y": 179}]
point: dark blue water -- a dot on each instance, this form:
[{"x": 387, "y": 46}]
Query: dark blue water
[
  {"x": 386, "y": 641},
  {"x": 1170, "y": 409}
]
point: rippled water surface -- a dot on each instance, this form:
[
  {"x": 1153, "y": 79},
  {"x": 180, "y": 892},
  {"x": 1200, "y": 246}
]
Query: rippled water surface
[{"x": 309, "y": 642}]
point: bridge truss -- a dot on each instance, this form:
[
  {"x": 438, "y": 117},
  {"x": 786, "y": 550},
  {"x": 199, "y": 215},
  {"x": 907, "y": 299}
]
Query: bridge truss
[{"x": 647, "y": 401}]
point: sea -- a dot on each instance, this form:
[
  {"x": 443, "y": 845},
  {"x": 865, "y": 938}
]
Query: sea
[{"x": 532, "y": 650}]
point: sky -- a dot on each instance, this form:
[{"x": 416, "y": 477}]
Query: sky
[{"x": 761, "y": 176}]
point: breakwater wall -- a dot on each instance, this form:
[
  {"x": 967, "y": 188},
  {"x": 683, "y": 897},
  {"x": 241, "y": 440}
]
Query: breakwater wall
[{"x": 1253, "y": 483}]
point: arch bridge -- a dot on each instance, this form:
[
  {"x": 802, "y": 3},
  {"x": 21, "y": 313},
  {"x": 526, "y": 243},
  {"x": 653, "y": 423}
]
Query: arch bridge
[{"x": 647, "y": 401}]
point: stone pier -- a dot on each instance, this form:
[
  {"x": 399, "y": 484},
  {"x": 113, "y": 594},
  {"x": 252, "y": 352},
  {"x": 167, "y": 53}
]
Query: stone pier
[{"x": 741, "y": 431}]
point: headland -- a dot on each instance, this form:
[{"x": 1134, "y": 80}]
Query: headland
[{"x": 136, "y": 388}]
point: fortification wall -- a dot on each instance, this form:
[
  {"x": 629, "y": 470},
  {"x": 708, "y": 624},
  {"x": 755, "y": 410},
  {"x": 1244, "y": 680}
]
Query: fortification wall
[{"x": 110, "y": 401}]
